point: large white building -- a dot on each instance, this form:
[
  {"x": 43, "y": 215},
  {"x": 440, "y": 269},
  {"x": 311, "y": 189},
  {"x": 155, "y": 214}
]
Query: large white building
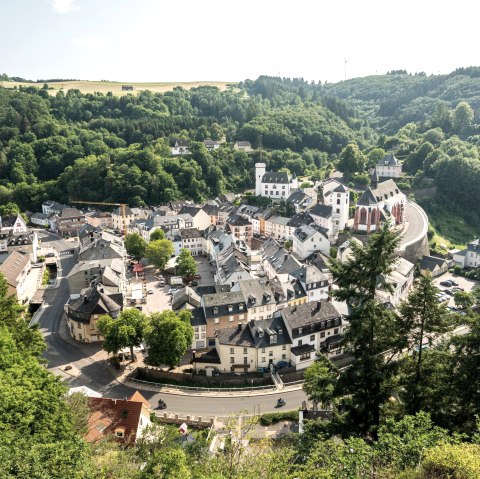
[
  {"x": 470, "y": 257},
  {"x": 275, "y": 185},
  {"x": 388, "y": 167},
  {"x": 308, "y": 239}
]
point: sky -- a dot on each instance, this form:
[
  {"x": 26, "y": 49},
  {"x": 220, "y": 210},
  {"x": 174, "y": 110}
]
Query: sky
[{"x": 224, "y": 40}]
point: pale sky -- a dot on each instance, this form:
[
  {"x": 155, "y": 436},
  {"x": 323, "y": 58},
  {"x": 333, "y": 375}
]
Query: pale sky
[{"x": 224, "y": 40}]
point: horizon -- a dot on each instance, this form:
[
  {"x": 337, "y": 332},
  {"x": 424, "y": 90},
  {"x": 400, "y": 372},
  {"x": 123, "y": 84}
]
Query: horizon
[{"x": 180, "y": 41}]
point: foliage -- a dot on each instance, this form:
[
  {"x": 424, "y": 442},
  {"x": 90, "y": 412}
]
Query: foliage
[
  {"x": 351, "y": 160},
  {"x": 135, "y": 246},
  {"x": 168, "y": 336},
  {"x": 273, "y": 417},
  {"x": 186, "y": 264},
  {"x": 320, "y": 381},
  {"x": 157, "y": 234},
  {"x": 158, "y": 252}
]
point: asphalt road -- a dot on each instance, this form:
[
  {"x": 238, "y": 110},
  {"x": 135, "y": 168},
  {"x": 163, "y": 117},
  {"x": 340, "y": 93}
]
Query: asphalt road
[
  {"x": 61, "y": 352},
  {"x": 416, "y": 224}
]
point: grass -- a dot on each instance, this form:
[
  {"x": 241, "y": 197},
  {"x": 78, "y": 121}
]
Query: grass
[
  {"x": 116, "y": 87},
  {"x": 452, "y": 229},
  {"x": 46, "y": 276}
]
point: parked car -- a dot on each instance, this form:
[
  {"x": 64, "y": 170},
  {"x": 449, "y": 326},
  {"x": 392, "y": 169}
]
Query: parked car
[
  {"x": 197, "y": 276},
  {"x": 446, "y": 283},
  {"x": 194, "y": 283},
  {"x": 140, "y": 308},
  {"x": 449, "y": 292},
  {"x": 457, "y": 289},
  {"x": 150, "y": 291},
  {"x": 172, "y": 290},
  {"x": 454, "y": 283},
  {"x": 50, "y": 255},
  {"x": 282, "y": 364}
]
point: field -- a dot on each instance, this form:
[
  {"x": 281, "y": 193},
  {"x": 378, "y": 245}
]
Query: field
[{"x": 116, "y": 87}]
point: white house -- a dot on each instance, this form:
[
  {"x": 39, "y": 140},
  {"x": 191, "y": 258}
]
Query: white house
[
  {"x": 194, "y": 241},
  {"x": 243, "y": 146},
  {"x": 389, "y": 167},
  {"x": 211, "y": 144},
  {"x": 181, "y": 147},
  {"x": 470, "y": 257},
  {"x": 315, "y": 283},
  {"x": 258, "y": 296},
  {"x": 400, "y": 280},
  {"x": 39, "y": 219},
  {"x": 278, "y": 227},
  {"x": 313, "y": 327},
  {"x": 201, "y": 219},
  {"x": 276, "y": 185},
  {"x": 308, "y": 239}
]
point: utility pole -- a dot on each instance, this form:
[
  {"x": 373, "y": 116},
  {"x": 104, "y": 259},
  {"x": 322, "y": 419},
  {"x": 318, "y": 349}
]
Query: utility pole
[{"x": 345, "y": 66}]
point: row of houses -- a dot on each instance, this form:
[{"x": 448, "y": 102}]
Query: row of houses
[{"x": 182, "y": 147}]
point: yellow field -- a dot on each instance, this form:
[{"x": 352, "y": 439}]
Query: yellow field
[{"x": 116, "y": 87}]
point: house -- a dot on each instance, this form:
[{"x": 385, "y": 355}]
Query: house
[
  {"x": 193, "y": 241},
  {"x": 106, "y": 246},
  {"x": 199, "y": 325},
  {"x": 313, "y": 327},
  {"x": 301, "y": 200},
  {"x": 123, "y": 419},
  {"x": 127, "y": 87},
  {"x": 25, "y": 243},
  {"x": 379, "y": 203},
  {"x": 276, "y": 185},
  {"x": 87, "y": 234},
  {"x": 243, "y": 146},
  {"x": 131, "y": 214},
  {"x": 211, "y": 144},
  {"x": 39, "y": 219},
  {"x": 279, "y": 228},
  {"x": 52, "y": 207},
  {"x": 68, "y": 222},
  {"x": 247, "y": 348},
  {"x": 469, "y": 257},
  {"x": 400, "y": 280},
  {"x": 186, "y": 298},
  {"x": 337, "y": 196},
  {"x": 258, "y": 297},
  {"x": 223, "y": 310},
  {"x": 12, "y": 224},
  {"x": 15, "y": 269},
  {"x": 201, "y": 219},
  {"x": 388, "y": 167},
  {"x": 212, "y": 211},
  {"x": 181, "y": 147},
  {"x": 84, "y": 312},
  {"x": 433, "y": 265},
  {"x": 109, "y": 272},
  {"x": 310, "y": 238},
  {"x": 277, "y": 261},
  {"x": 100, "y": 219},
  {"x": 240, "y": 227},
  {"x": 314, "y": 282}
]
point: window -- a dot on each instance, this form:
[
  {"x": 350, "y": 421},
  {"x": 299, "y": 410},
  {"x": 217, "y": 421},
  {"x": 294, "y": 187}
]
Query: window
[
  {"x": 263, "y": 350},
  {"x": 312, "y": 337},
  {"x": 335, "y": 331},
  {"x": 300, "y": 342},
  {"x": 284, "y": 347},
  {"x": 338, "y": 201},
  {"x": 230, "y": 308},
  {"x": 232, "y": 350},
  {"x": 322, "y": 334},
  {"x": 263, "y": 360},
  {"x": 216, "y": 320},
  {"x": 270, "y": 353},
  {"x": 245, "y": 350},
  {"x": 300, "y": 330},
  {"x": 245, "y": 360},
  {"x": 284, "y": 356},
  {"x": 304, "y": 356},
  {"x": 232, "y": 360},
  {"x": 241, "y": 317},
  {"x": 230, "y": 318}
]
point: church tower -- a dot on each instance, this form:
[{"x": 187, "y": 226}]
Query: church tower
[{"x": 259, "y": 172}]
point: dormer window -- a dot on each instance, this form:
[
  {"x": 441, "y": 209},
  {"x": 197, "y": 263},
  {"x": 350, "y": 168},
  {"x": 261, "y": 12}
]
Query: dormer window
[
  {"x": 215, "y": 310},
  {"x": 300, "y": 330},
  {"x": 240, "y": 307},
  {"x": 120, "y": 432},
  {"x": 273, "y": 338},
  {"x": 230, "y": 308}
]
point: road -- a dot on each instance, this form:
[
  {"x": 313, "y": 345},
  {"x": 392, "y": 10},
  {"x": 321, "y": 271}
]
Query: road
[
  {"x": 417, "y": 224},
  {"x": 95, "y": 375}
]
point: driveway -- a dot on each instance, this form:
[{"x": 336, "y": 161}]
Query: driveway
[{"x": 205, "y": 271}]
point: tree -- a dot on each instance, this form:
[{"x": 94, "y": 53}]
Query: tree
[
  {"x": 125, "y": 331},
  {"x": 320, "y": 381},
  {"x": 159, "y": 252},
  {"x": 186, "y": 264},
  {"x": 135, "y": 246},
  {"x": 168, "y": 336},
  {"x": 374, "y": 156},
  {"x": 422, "y": 314},
  {"x": 157, "y": 234},
  {"x": 463, "y": 299},
  {"x": 462, "y": 117},
  {"x": 351, "y": 161},
  {"x": 374, "y": 329}
]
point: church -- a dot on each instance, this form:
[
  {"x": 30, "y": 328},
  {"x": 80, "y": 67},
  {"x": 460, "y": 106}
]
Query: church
[
  {"x": 381, "y": 202},
  {"x": 275, "y": 185}
]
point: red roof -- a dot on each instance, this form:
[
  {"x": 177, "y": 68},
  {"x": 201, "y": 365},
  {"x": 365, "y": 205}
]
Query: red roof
[
  {"x": 110, "y": 415},
  {"x": 138, "y": 268}
]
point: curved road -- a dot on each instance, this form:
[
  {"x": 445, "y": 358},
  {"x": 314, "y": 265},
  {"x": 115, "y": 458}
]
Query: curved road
[
  {"x": 417, "y": 224},
  {"x": 95, "y": 375}
]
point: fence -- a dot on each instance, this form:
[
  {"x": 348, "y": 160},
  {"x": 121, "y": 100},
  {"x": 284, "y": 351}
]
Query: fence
[{"x": 193, "y": 421}]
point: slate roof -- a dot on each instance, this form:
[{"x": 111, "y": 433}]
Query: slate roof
[
  {"x": 256, "y": 292},
  {"x": 209, "y": 142},
  {"x": 198, "y": 317},
  {"x": 307, "y": 231},
  {"x": 185, "y": 295},
  {"x": 303, "y": 349},
  {"x": 309, "y": 274},
  {"x": 94, "y": 301},
  {"x": 311, "y": 317},
  {"x": 474, "y": 245},
  {"x": 181, "y": 143},
  {"x": 300, "y": 219},
  {"x": 190, "y": 233},
  {"x": 297, "y": 197},
  {"x": 211, "y": 210},
  {"x": 262, "y": 331},
  {"x": 275, "y": 177},
  {"x": 430, "y": 262},
  {"x": 340, "y": 189},
  {"x": 236, "y": 337},
  {"x": 323, "y": 211},
  {"x": 189, "y": 210},
  {"x": 237, "y": 220},
  {"x": 368, "y": 198},
  {"x": 217, "y": 305}
]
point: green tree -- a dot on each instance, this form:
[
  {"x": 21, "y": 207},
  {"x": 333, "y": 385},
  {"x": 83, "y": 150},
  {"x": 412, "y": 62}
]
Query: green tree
[
  {"x": 374, "y": 329},
  {"x": 463, "y": 299},
  {"x": 125, "y": 331},
  {"x": 320, "y": 381},
  {"x": 462, "y": 117},
  {"x": 157, "y": 234},
  {"x": 168, "y": 336},
  {"x": 422, "y": 314},
  {"x": 159, "y": 252},
  {"x": 351, "y": 160},
  {"x": 374, "y": 156},
  {"x": 186, "y": 264},
  {"x": 135, "y": 246}
]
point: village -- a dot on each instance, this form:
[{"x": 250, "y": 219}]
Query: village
[{"x": 260, "y": 301}]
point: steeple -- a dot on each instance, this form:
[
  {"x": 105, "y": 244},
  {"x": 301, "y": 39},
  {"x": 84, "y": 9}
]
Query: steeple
[{"x": 374, "y": 180}]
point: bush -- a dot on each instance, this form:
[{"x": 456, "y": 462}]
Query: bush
[
  {"x": 452, "y": 461},
  {"x": 274, "y": 417},
  {"x": 333, "y": 252}
]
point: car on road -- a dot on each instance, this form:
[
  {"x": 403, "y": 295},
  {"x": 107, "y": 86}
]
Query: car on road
[{"x": 446, "y": 283}]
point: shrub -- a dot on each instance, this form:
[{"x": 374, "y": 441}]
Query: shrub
[{"x": 274, "y": 417}]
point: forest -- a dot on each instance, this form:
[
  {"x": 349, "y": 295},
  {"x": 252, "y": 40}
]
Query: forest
[{"x": 99, "y": 147}]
